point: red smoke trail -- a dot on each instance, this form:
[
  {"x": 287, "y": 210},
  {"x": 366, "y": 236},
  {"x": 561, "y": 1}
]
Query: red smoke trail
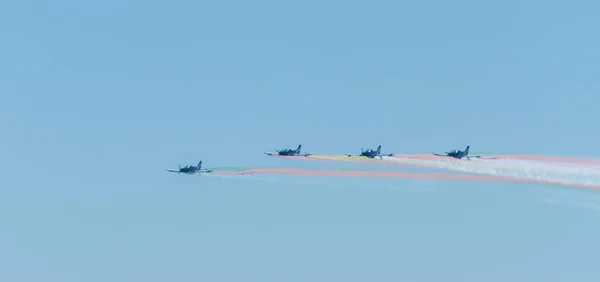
[{"x": 401, "y": 174}]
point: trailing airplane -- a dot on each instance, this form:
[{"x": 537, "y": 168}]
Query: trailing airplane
[
  {"x": 288, "y": 152},
  {"x": 369, "y": 153},
  {"x": 190, "y": 169},
  {"x": 458, "y": 154}
]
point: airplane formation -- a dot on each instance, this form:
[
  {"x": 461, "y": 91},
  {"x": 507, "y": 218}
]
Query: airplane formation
[{"x": 368, "y": 153}]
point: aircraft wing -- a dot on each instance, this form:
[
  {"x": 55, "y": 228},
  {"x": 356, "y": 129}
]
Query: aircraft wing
[
  {"x": 481, "y": 157},
  {"x": 356, "y": 156},
  {"x": 488, "y": 157},
  {"x": 470, "y": 157},
  {"x": 385, "y": 155},
  {"x": 191, "y": 172},
  {"x": 440, "y": 154},
  {"x": 293, "y": 155}
]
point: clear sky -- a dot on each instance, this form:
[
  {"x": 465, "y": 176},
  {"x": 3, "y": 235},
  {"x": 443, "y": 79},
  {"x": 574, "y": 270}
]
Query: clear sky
[{"x": 98, "y": 98}]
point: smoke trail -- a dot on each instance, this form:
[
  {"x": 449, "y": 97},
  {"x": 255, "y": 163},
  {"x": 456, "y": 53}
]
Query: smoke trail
[
  {"x": 555, "y": 167},
  {"x": 354, "y": 159},
  {"x": 553, "y": 159},
  {"x": 309, "y": 158},
  {"x": 562, "y": 172},
  {"x": 403, "y": 174},
  {"x": 576, "y": 171},
  {"x": 564, "y": 167},
  {"x": 512, "y": 157},
  {"x": 433, "y": 157},
  {"x": 559, "y": 172},
  {"x": 506, "y": 164}
]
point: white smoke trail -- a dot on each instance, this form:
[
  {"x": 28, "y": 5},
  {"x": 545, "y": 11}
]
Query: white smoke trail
[{"x": 576, "y": 173}]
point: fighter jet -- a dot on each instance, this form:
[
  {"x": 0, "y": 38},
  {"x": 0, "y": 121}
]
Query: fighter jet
[
  {"x": 288, "y": 152},
  {"x": 370, "y": 153},
  {"x": 458, "y": 154},
  {"x": 190, "y": 169}
]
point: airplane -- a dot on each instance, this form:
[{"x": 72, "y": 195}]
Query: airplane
[
  {"x": 458, "y": 154},
  {"x": 190, "y": 169},
  {"x": 369, "y": 153},
  {"x": 288, "y": 152}
]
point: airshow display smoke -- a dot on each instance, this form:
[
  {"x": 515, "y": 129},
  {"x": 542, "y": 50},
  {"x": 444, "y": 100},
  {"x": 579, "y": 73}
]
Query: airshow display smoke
[
  {"x": 580, "y": 173},
  {"x": 404, "y": 174},
  {"x": 571, "y": 171}
]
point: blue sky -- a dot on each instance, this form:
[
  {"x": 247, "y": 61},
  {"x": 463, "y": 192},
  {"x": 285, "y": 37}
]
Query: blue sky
[{"x": 98, "y": 98}]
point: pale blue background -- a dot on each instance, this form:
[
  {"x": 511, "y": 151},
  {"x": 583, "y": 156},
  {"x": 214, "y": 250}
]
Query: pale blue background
[{"x": 98, "y": 98}]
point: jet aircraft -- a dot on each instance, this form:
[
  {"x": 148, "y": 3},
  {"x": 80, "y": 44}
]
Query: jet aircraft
[
  {"x": 190, "y": 169},
  {"x": 370, "y": 153},
  {"x": 288, "y": 152},
  {"x": 458, "y": 154}
]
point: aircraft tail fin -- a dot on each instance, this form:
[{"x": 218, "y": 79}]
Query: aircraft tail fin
[
  {"x": 467, "y": 150},
  {"x": 199, "y": 164},
  {"x": 379, "y": 150},
  {"x": 298, "y": 150}
]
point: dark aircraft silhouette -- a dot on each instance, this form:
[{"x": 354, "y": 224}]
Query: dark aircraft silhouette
[
  {"x": 369, "y": 153},
  {"x": 190, "y": 169},
  {"x": 458, "y": 154},
  {"x": 288, "y": 152}
]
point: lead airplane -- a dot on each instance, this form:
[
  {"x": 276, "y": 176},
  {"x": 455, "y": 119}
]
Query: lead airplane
[
  {"x": 370, "y": 153},
  {"x": 190, "y": 169},
  {"x": 458, "y": 154},
  {"x": 288, "y": 152}
]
